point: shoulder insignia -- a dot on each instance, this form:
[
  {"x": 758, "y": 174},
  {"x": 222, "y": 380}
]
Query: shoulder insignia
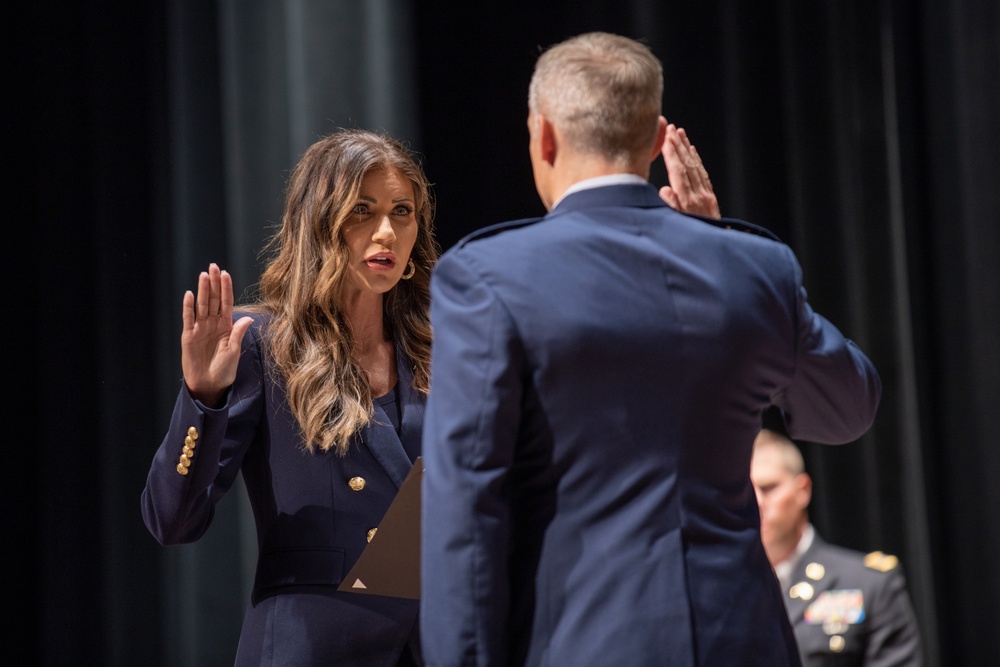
[
  {"x": 877, "y": 560},
  {"x": 738, "y": 225},
  {"x": 493, "y": 230}
]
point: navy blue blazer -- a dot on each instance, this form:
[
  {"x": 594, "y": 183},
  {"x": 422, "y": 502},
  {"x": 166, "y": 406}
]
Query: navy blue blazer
[
  {"x": 598, "y": 378},
  {"x": 312, "y": 512}
]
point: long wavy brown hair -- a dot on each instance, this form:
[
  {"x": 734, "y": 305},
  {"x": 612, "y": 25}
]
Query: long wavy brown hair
[{"x": 308, "y": 338}]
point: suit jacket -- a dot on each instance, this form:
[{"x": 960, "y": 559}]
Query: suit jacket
[
  {"x": 598, "y": 378},
  {"x": 848, "y": 608},
  {"x": 312, "y": 511}
]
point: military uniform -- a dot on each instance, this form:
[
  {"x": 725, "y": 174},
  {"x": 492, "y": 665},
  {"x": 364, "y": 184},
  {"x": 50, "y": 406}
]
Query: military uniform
[{"x": 848, "y": 608}]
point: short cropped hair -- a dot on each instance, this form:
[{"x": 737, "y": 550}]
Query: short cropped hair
[
  {"x": 604, "y": 92},
  {"x": 788, "y": 452}
]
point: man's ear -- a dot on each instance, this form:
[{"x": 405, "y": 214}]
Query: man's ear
[
  {"x": 548, "y": 142},
  {"x": 661, "y": 136},
  {"x": 804, "y": 489}
]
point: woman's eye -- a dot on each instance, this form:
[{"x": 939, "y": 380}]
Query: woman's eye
[
  {"x": 361, "y": 209},
  {"x": 402, "y": 210}
]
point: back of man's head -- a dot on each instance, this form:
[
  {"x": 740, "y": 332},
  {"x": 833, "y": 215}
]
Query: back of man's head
[{"x": 603, "y": 92}]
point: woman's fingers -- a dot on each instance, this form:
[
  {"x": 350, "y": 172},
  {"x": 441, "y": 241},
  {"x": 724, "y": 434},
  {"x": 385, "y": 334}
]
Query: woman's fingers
[
  {"x": 215, "y": 290},
  {"x": 226, "y": 299},
  {"x": 214, "y": 302},
  {"x": 187, "y": 311},
  {"x": 202, "y": 297}
]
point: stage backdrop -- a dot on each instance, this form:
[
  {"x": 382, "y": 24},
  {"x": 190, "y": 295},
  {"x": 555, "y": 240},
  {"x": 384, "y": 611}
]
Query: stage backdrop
[{"x": 145, "y": 140}]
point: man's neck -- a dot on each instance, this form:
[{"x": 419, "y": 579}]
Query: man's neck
[{"x": 794, "y": 551}]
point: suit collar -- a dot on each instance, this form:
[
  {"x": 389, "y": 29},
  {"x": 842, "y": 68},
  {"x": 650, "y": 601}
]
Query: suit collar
[
  {"x": 379, "y": 435},
  {"x": 412, "y": 403},
  {"x": 635, "y": 195},
  {"x": 600, "y": 182},
  {"x": 643, "y": 196}
]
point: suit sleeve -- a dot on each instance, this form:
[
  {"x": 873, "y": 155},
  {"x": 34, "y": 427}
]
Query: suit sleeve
[
  {"x": 178, "y": 508},
  {"x": 893, "y": 636},
  {"x": 470, "y": 432},
  {"x": 835, "y": 390}
]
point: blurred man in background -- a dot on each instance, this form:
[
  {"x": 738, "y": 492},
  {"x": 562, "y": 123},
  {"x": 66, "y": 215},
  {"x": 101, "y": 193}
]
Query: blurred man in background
[{"x": 846, "y": 607}]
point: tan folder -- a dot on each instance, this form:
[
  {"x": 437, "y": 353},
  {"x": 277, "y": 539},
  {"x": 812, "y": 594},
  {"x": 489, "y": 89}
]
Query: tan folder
[{"x": 390, "y": 564}]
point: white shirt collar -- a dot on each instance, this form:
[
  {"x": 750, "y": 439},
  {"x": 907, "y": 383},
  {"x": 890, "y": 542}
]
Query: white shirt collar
[
  {"x": 785, "y": 567},
  {"x": 600, "y": 182}
]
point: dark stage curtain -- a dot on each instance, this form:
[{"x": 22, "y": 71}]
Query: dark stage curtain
[{"x": 146, "y": 139}]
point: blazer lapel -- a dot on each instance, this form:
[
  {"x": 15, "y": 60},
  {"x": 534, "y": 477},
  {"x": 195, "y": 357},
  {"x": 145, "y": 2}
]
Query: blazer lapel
[
  {"x": 814, "y": 587},
  {"x": 412, "y": 403},
  {"x": 380, "y": 437},
  {"x": 800, "y": 593}
]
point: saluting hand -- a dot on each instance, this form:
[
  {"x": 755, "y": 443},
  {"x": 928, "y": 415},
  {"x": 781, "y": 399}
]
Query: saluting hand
[
  {"x": 690, "y": 190},
  {"x": 210, "y": 341}
]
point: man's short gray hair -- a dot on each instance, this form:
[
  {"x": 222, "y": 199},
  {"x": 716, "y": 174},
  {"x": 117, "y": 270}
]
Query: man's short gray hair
[
  {"x": 788, "y": 453},
  {"x": 603, "y": 92}
]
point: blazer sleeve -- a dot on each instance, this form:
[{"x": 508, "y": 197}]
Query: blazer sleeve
[
  {"x": 835, "y": 390},
  {"x": 470, "y": 431},
  {"x": 178, "y": 508}
]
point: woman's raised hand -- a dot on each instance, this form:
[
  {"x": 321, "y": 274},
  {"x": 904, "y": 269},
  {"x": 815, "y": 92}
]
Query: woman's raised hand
[{"x": 210, "y": 340}]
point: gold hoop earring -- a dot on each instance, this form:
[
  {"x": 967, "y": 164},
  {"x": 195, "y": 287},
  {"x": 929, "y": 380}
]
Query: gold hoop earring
[{"x": 411, "y": 269}]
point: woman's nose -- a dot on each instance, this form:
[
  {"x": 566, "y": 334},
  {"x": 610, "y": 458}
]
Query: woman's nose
[{"x": 384, "y": 232}]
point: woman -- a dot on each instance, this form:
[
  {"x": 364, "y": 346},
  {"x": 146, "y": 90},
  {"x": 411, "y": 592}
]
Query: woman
[{"x": 317, "y": 395}]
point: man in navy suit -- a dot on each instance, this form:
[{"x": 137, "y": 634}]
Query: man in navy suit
[{"x": 598, "y": 377}]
